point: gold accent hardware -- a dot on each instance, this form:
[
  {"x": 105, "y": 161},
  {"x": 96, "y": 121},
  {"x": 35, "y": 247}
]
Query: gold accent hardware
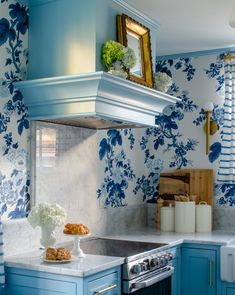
[
  {"x": 211, "y": 273},
  {"x": 106, "y": 289},
  {"x": 229, "y": 57},
  {"x": 210, "y": 126}
]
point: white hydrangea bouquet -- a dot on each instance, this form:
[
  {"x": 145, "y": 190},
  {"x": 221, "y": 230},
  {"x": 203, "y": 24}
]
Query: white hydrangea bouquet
[
  {"x": 47, "y": 216},
  {"x": 117, "y": 58},
  {"x": 162, "y": 81}
]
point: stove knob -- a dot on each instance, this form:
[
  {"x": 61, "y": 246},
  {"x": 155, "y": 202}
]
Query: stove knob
[
  {"x": 155, "y": 262},
  {"x": 170, "y": 256},
  {"x": 144, "y": 265},
  {"x": 136, "y": 269},
  {"x": 166, "y": 259},
  {"x": 162, "y": 261}
]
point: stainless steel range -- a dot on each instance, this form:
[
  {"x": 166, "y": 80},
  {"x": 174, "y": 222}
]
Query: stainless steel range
[{"x": 147, "y": 268}]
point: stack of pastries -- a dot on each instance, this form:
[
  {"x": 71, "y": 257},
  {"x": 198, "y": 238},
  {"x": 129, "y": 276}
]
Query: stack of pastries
[
  {"x": 76, "y": 229},
  {"x": 58, "y": 254}
]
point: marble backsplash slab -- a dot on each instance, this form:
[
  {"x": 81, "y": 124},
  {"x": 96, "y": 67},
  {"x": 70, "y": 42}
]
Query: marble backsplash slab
[
  {"x": 20, "y": 237},
  {"x": 223, "y": 218}
]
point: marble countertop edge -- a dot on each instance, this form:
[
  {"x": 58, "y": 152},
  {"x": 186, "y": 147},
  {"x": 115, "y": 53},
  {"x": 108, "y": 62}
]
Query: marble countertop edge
[{"x": 84, "y": 267}]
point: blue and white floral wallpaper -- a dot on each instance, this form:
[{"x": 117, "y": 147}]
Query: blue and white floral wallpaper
[
  {"x": 14, "y": 180},
  {"x": 129, "y": 161},
  {"x": 178, "y": 141}
]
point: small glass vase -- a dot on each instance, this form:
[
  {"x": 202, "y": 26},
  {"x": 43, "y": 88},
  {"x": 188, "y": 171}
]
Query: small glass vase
[{"x": 47, "y": 236}]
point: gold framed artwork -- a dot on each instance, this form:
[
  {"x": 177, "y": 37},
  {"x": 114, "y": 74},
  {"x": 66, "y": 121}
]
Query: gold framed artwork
[{"x": 136, "y": 36}]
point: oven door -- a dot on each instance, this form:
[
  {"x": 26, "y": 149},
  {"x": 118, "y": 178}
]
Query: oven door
[{"x": 156, "y": 282}]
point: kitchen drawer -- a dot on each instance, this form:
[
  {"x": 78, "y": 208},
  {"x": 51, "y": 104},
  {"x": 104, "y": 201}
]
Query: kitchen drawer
[
  {"x": 31, "y": 285},
  {"x": 107, "y": 284}
]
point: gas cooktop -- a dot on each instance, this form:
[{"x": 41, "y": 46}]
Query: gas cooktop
[{"x": 120, "y": 248}]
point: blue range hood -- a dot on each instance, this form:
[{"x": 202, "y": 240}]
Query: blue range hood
[{"x": 93, "y": 100}]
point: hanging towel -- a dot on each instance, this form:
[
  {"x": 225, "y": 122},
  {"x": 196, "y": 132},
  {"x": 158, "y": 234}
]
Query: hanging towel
[
  {"x": 2, "y": 273},
  {"x": 226, "y": 173}
]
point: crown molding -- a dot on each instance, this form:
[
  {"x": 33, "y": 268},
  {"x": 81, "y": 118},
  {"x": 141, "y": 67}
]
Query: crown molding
[{"x": 150, "y": 21}]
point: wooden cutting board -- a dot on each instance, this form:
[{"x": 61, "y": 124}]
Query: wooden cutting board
[{"x": 197, "y": 182}]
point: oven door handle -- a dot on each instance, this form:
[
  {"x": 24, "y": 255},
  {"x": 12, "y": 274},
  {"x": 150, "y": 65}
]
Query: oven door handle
[{"x": 153, "y": 280}]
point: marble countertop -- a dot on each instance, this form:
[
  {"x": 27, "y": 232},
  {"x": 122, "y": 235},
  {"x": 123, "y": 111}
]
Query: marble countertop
[
  {"x": 81, "y": 267},
  {"x": 95, "y": 263},
  {"x": 174, "y": 239}
]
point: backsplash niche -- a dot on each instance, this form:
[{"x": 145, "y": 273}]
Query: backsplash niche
[{"x": 90, "y": 173}]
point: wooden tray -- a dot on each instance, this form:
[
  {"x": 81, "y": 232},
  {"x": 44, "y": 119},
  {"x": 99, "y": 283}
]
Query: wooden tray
[{"x": 197, "y": 182}]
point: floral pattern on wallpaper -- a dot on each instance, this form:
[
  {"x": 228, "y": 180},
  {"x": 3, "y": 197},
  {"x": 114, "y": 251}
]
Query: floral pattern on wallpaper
[
  {"x": 14, "y": 180},
  {"x": 178, "y": 141},
  {"x": 118, "y": 171}
]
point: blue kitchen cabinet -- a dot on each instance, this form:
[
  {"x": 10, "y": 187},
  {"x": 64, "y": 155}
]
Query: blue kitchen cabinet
[
  {"x": 199, "y": 271},
  {"x": 176, "y": 277},
  {"x": 227, "y": 289},
  {"x": 107, "y": 285},
  {"x": 29, "y": 282}
]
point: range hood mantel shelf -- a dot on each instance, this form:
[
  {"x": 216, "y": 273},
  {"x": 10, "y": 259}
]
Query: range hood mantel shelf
[{"x": 93, "y": 100}]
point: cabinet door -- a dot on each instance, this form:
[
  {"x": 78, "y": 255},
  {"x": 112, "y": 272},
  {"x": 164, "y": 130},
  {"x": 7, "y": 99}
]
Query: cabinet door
[
  {"x": 176, "y": 277},
  {"x": 106, "y": 285},
  {"x": 198, "y": 271},
  {"x": 228, "y": 289}
]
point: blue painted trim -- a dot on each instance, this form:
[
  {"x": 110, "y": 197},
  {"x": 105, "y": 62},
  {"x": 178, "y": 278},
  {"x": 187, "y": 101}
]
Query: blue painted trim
[{"x": 195, "y": 53}]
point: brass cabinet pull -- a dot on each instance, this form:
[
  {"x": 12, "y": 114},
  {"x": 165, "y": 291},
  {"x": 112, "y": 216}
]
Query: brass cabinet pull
[
  {"x": 106, "y": 289},
  {"x": 211, "y": 273}
]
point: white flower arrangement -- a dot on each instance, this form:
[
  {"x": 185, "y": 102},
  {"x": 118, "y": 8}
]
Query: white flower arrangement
[
  {"x": 162, "y": 81},
  {"x": 46, "y": 214}
]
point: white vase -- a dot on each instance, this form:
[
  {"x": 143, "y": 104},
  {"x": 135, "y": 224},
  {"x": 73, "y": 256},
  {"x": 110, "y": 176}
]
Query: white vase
[
  {"x": 47, "y": 236},
  {"x": 119, "y": 73},
  {"x": 162, "y": 88}
]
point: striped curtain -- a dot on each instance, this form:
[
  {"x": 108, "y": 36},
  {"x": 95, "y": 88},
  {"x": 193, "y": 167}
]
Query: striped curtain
[
  {"x": 226, "y": 173},
  {"x": 2, "y": 274}
]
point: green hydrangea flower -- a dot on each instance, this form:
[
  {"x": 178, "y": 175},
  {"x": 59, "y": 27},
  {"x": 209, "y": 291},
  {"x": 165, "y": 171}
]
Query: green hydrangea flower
[{"x": 116, "y": 56}]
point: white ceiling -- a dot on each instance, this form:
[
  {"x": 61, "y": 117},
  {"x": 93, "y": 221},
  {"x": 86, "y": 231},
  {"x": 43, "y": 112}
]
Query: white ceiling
[{"x": 190, "y": 25}]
